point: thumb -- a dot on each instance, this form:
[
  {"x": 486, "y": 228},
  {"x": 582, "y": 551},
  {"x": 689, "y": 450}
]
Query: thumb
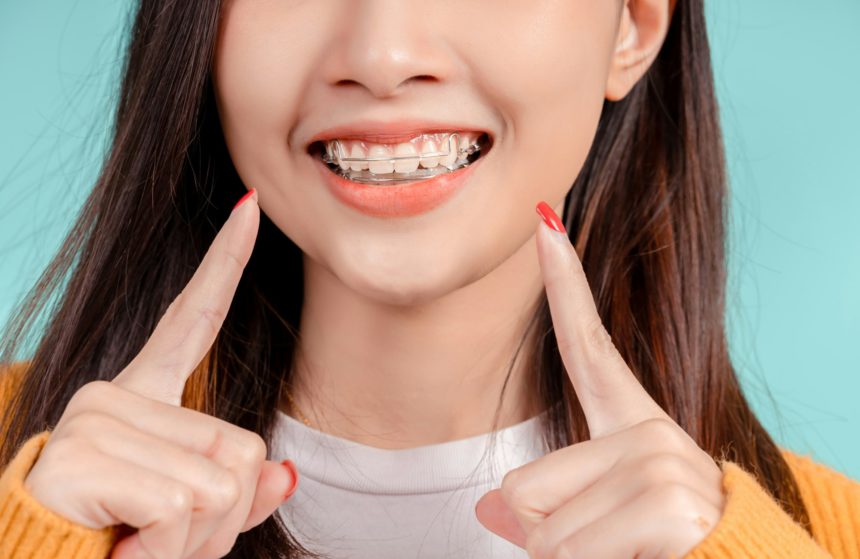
[
  {"x": 129, "y": 547},
  {"x": 277, "y": 482},
  {"x": 496, "y": 517}
]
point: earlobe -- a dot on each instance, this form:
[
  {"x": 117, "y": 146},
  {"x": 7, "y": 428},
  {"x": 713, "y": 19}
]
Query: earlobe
[{"x": 642, "y": 29}]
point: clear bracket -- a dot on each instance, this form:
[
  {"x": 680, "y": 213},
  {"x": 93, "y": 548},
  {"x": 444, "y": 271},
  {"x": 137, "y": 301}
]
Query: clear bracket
[{"x": 336, "y": 154}]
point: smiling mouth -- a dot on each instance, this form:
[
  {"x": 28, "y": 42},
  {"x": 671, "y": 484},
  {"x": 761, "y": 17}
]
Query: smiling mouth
[{"x": 424, "y": 157}]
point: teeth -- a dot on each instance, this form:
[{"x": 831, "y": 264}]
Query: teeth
[
  {"x": 338, "y": 152},
  {"x": 464, "y": 142},
  {"x": 432, "y": 150},
  {"x": 429, "y": 147},
  {"x": 422, "y": 157},
  {"x": 380, "y": 167},
  {"x": 453, "y": 147},
  {"x": 357, "y": 152},
  {"x": 405, "y": 165}
]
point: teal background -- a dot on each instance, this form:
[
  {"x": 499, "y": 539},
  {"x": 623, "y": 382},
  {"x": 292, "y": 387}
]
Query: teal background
[{"x": 788, "y": 81}]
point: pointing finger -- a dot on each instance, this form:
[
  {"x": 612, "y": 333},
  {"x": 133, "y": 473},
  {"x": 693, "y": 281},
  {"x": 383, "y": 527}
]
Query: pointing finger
[
  {"x": 189, "y": 326},
  {"x": 611, "y": 396}
]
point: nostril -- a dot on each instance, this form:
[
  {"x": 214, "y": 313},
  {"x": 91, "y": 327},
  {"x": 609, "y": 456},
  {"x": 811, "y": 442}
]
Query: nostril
[{"x": 421, "y": 78}]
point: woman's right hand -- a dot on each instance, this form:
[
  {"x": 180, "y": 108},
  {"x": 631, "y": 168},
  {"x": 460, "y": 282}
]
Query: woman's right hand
[{"x": 126, "y": 452}]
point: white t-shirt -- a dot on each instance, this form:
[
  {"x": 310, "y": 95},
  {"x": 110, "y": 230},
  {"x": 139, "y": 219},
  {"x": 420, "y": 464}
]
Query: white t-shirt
[{"x": 356, "y": 501}]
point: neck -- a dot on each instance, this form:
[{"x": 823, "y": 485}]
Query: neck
[{"x": 406, "y": 376}]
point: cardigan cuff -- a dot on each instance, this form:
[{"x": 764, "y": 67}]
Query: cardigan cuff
[
  {"x": 754, "y": 525},
  {"x": 28, "y": 530}
]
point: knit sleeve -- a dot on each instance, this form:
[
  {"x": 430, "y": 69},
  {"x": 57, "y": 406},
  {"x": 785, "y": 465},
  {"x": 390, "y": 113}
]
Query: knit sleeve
[
  {"x": 30, "y": 531},
  {"x": 754, "y": 525},
  {"x": 833, "y": 502}
]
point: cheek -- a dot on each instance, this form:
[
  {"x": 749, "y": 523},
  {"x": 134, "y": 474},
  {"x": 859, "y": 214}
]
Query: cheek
[
  {"x": 258, "y": 75},
  {"x": 549, "y": 75},
  {"x": 541, "y": 67}
]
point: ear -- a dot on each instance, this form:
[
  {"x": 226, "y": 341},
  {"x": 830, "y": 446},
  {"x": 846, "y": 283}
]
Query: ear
[{"x": 641, "y": 32}]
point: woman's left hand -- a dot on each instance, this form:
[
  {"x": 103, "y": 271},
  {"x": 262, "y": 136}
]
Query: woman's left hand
[{"x": 640, "y": 486}]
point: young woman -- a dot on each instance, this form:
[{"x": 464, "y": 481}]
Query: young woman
[{"x": 383, "y": 330}]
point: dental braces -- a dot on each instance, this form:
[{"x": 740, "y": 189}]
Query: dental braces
[{"x": 463, "y": 159}]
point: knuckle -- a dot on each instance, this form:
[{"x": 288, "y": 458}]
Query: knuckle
[
  {"x": 176, "y": 501},
  {"x": 566, "y": 346},
  {"x": 85, "y": 424},
  {"x": 664, "y": 433},
  {"x": 212, "y": 317},
  {"x": 598, "y": 343},
  {"x": 91, "y": 393},
  {"x": 59, "y": 446},
  {"x": 225, "y": 491},
  {"x": 252, "y": 449},
  {"x": 215, "y": 442},
  {"x": 674, "y": 497},
  {"x": 661, "y": 468},
  {"x": 62, "y": 450},
  {"x": 232, "y": 260}
]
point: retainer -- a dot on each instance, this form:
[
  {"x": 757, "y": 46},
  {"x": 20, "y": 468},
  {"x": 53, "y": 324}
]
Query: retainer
[{"x": 466, "y": 151}]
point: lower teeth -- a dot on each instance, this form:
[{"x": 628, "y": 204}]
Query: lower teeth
[{"x": 464, "y": 159}]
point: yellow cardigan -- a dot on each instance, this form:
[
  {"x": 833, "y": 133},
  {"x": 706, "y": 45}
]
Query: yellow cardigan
[{"x": 753, "y": 525}]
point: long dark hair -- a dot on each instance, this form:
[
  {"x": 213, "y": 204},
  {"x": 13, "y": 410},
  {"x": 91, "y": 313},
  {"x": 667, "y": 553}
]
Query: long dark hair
[{"x": 647, "y": 214}]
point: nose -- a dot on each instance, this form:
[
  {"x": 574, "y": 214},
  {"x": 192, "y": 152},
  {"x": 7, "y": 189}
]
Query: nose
[{"x": 386, "y": 45}]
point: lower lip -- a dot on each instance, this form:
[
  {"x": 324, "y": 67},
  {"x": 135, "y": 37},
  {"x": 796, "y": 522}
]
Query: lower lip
[{"x": 403, "y": 200}]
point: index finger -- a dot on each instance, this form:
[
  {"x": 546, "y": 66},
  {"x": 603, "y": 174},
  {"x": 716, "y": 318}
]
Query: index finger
[
  {"x": 192, "y": 321},
  {"x": 611, "y": 396}
]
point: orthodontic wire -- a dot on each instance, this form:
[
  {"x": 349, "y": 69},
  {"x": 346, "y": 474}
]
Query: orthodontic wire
[{"x": 471, "y": 148}]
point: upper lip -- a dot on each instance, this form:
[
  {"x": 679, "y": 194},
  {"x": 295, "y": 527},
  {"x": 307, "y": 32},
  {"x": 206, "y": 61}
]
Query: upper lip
[{"x": 389, "y": 132}]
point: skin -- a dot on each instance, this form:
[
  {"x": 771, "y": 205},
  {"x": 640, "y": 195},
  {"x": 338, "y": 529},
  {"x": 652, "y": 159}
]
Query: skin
[
  {"x": 448, "y": 313},
  {"x": 445, "y": 310},
  {"x": 640, "y": 486},
  {"x": 124, "y": 451},
  {"x": 446, "y": 294}
]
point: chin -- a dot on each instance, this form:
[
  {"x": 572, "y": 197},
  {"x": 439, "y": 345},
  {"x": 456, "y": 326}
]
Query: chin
[{"x": 403, "y": 281}]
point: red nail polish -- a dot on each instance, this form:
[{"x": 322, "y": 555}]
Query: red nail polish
[
  {"x": 550, "y": 217},
  {"x": 245, "y": 197},
  {"x": 294, "y": 473}
]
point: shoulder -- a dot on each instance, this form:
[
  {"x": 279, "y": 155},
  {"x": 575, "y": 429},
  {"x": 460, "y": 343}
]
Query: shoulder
[
  {"x": 10, "y": 377},
  {"x": 810, "y": 471},
  {"x": 831, "y": 497}
]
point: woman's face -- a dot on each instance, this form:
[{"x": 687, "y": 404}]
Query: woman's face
[{"x": 532, "y": 74}]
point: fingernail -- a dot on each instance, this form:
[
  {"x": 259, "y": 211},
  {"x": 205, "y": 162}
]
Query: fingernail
[
  {"x": 245, "y": 197},
  {"x": 557, "y": 231},
  {"x": 294, "y": 475},
  {"x": 550, "y": 217}
]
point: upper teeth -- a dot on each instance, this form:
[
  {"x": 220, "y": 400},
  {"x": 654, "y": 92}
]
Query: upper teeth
[{"x": 426, "y": 150}]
